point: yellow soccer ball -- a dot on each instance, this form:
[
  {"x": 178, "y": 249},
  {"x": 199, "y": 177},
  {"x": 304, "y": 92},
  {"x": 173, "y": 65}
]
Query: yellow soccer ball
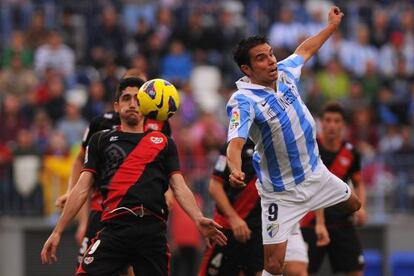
[{"x": 158, "y": 99}]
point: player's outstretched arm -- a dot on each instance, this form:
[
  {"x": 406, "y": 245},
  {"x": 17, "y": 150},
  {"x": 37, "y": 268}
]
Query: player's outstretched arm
[
  {"x": 73, "y": 178},
  {"x": 77, "y": 197},
  {"x": 207, "y": 227},
  {"x": 239, "y": 227},
  {"x": 311, "y": 45},
  {"x": 234, "y": 151}
]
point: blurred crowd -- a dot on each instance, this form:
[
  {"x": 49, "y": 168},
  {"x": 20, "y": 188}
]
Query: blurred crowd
[{"x": 61, "y": 62}]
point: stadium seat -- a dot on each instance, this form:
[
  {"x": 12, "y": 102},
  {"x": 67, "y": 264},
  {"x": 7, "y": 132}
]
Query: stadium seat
[
  {"x": 402, "y": 263},
  {"x": 373, "y": 263}
]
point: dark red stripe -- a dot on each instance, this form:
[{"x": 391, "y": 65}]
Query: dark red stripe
[
  {"x": 88, "y": 170},
  {"x": 205, "y": 261},
  {"x": 96, "y": 201},
  {"x": 132, "y": 168},
  {"x": 243, "y": 204},
  {"x": 337, "y": 167},
  {"x": 307, "y": 220}
]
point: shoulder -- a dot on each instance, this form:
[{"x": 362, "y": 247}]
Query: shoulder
[{"x": 351, "y": 148}]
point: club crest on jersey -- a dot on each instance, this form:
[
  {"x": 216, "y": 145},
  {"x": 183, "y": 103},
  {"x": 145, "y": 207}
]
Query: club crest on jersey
[
  {"x": 113, "y": 138},
  {"x": 157, "y": 140},
  {"x": 235, "y": 119},
  {"x": 272, "y": 229},
  {"x": 87, "y": 260}
]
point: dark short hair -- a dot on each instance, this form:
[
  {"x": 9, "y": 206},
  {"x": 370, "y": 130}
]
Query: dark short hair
[
  {"x": 333, "y": 107},
  {"x": 241, "y": 53},
  {"x": 127, "y": 82}
]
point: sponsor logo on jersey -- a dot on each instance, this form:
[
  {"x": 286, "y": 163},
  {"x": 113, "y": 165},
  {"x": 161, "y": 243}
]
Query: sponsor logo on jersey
[
  {"x": 156, "y": 140},
  {"x": 88, "y": 260}
]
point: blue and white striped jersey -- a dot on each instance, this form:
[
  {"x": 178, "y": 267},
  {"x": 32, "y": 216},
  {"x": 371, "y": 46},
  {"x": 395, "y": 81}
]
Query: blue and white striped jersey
[{"x": 280, "y": 125}]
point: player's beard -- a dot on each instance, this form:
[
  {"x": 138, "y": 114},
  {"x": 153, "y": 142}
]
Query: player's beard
[{"x": 132, "y": 120}]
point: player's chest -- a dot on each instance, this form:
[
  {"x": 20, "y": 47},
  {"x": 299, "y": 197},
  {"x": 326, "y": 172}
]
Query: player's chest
[{"x": 278, "y": 106}]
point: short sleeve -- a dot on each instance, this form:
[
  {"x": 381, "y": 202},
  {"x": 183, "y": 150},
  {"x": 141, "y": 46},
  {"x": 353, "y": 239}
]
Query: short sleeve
[
  {"x": 92, "y": 153},
  {"x": 220, "y": 168},
  {"x": 172, "y": 163},
  {"x": 91, "y": 130},
  {"x": 291, "y": 66},
  {"x": 241, "y": 114}
]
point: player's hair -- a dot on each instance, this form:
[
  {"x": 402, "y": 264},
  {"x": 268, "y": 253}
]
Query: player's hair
[
  {"x": 241, "y": 53},
  {"x": 131, "y": 78},
  {"x": 333, "y": 107}
]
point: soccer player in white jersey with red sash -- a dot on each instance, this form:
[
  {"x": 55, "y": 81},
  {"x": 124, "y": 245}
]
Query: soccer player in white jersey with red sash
[{"x": 267, "y": 108}]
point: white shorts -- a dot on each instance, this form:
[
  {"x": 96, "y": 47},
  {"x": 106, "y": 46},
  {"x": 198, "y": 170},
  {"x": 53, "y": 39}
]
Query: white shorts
[
  {"x": 296, "y": 248},
  {"x": 282, "y": 210}
]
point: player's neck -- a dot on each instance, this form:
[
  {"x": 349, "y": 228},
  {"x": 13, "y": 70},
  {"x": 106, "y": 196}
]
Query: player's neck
[
  {"x": 271, "y": 85},
  {"x": 139, "y": 128},
  {"x": 331, "y": 144}
]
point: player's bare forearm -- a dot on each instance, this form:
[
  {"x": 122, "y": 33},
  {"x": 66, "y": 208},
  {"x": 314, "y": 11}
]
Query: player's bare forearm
[
  {"x": 311, "y": 45},
  {"x": 76, "y": 170},
  {"x": 360, "y": 191},
  {"x": 185, "y": 197},
  {"x": 234, "y": 151},
  {"x": 77, "y": 197},
  {"x": 234, "y": 161},
  {"x": 320, "y": 216},
  {"x": 218, "y": 194}
]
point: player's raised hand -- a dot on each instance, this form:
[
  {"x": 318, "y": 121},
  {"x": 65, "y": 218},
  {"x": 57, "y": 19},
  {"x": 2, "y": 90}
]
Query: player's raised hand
[
  {"x": 335, "y": 16},
  {"x": 236, "y": 178},
  {"x": 210, "y": 231},
  {"x": 322, "y": 235},
  {"x": 48, "y": 253}
]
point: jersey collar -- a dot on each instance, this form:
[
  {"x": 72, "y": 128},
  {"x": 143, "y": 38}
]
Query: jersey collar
[{"x": 245, "y": 83}]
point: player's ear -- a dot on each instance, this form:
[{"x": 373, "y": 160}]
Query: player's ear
[
  {"x": 116, "y": 107},
  {"x": 246, "y": 69}
]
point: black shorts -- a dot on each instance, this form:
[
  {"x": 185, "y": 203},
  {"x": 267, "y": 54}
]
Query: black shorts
[
  {"x": 94, "y": 225},
  {"x": 139, "y": 242},
  {"x": 344, "y": 250},
  {"x": 235, "y": 256}
]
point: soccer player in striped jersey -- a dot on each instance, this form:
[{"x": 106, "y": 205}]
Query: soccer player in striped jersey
[
  {"x": 267, "y": 107},
  {"x": 331, "y": 232}
]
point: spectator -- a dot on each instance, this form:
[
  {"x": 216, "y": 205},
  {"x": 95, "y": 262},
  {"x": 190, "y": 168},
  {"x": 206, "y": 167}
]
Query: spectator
[
  {"x": 107, "y": 38},
  {"x": 26, "y": 168},
  {"x": 72, "y": 125},
  {"x": 54, "y": 54},
  {"x": 18, "y": 80},
  {"x": 11, "y": 120},
  {"x": 96, "y": 102},
  {"x": 177, "y": 64},
  {"x": 333, "y": 81},
  {"x": 37, "y": 33},
  {"x": 17, "y": 48}
]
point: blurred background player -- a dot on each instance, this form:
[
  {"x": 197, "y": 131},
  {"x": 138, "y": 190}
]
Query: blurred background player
[
  {"x": 239, "y": 212},
  {"x": 133, "y": 169},
  {"x": 335, "y": 235}
]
